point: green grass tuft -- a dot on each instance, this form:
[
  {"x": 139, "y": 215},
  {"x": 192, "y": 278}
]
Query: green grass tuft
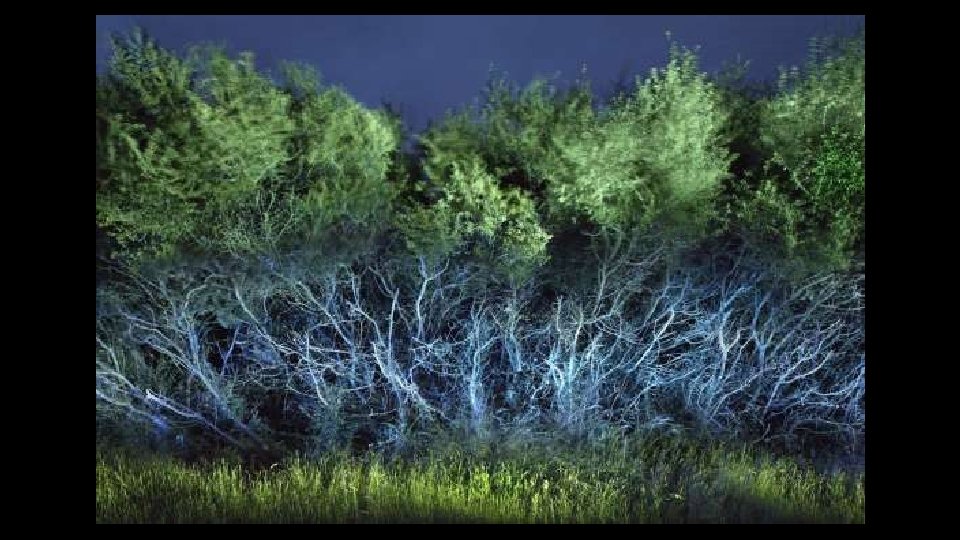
[{"x": 642, "y": 481}]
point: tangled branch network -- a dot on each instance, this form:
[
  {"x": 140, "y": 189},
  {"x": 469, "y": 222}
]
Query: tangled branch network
[{"x": 403, "y": 347}]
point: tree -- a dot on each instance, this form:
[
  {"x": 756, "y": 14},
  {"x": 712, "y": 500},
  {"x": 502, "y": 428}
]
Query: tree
[
  {"x": 657, "y": 157},
  {"x": 205, "y": 154},
  {"x": 809, "y": 204}
]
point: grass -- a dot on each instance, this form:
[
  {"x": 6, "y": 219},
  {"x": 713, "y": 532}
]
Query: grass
[{"x": 642, "y": 481}]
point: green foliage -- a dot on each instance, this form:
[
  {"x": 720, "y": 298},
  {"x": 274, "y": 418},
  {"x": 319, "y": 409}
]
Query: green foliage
[
  {"x": 341, "y": 153},
  {"x": 521, "y": 128},
  {"x": 206, "y": 154},
  {"x": 634, "y": 480},
  {"x": 745, "y": 101},
  {"x": 655, "y": 156},
  {"x": 179, "y": 141},
  {"x": 475, "y": 213},
  {"x": 809, "y": 204},
  {"x": 242, "y": 119},
  {"x": 142, "y": 118},
  {"x": 817, "y": 221},
  {"x": 510, "y": 141},
  {"x": 828, "y": 93}
]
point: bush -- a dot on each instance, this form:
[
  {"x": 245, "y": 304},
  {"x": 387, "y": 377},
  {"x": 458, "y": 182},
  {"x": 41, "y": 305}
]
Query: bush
[
  {"x": 498, "y": 225},
  {"x": 288, "y": 281},
  {"x": 809, "y": 204},
  {"x": 205, "y": 154},
  {"x": 178, "y": 142},
  {"x": 656, "y": 155},
  {"x": 724, "y": 352}
]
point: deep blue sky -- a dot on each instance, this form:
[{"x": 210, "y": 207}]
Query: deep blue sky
[{"x": 428, "y": 64}]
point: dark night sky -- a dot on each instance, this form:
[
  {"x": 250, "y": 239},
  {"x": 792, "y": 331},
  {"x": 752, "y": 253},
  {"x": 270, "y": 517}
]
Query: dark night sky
[{"x": 428, "y": 64}]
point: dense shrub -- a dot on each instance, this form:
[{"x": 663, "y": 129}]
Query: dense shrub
[
  {"x": 723, "y": 351},
  {"x": 498, "y": 225},
  {"x": 655, "y": 155},
  {"x": 284, "y": 278},
  {"x": 808, "y": 204},
  {"x": 207, "y": 154}
]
